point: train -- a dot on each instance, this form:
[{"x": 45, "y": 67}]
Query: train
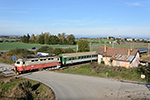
[{"x": 49, "y": 62}]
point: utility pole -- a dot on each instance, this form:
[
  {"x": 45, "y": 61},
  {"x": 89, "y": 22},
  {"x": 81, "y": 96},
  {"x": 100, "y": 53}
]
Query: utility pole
[
  {"x": 90, "y": 46},
  {"x": 113, "y": 45},
  {"x": 133, "y": 46},
  {"x": 148, "y": 49}
]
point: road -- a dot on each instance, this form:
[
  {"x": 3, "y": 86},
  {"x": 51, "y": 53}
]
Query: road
[
  {"x": 6, "y": 68},
  {"x": 78, "y": 87}
]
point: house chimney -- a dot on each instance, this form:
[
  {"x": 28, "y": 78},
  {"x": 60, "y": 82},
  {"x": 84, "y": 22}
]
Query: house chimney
[
  {"x": 131, "y": 48},
  {"x": 105, "y": 48},
  {"x": 128, "y": 51}
]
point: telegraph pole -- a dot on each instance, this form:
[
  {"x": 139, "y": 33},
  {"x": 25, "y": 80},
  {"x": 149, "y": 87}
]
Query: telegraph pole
[
  {"x": 148, "y": 49},
  {"x": 90, "y": 46},
  {"x": 113, "y": 45}
]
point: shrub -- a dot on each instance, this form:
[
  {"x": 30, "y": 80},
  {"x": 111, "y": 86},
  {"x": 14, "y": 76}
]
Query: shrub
[
  {"x": 102, "y": 62},
  {"x": 46, "y": 49},
  {"x": 18, "y": 51},
  {"x": 68, "y": 50},
  {"x": 58, "y": 51}
]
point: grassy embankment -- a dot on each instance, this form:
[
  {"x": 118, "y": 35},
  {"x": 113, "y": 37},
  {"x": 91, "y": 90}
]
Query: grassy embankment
[
  {"x": 93, "y": 69},
  {"x": 24, "y": 89}
]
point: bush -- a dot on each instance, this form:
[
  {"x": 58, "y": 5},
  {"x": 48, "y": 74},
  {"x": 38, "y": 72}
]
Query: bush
[
  {"x": 68, "y": 50},
  {"x": 144, "y": 70},
  {"x": 58, "y": 51},
  {"x": 46, "y": 49},
  {"x": 19, "y": 51}
]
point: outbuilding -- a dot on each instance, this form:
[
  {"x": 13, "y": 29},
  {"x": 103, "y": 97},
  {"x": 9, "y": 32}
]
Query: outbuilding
[{"x": 118, "y": 56}]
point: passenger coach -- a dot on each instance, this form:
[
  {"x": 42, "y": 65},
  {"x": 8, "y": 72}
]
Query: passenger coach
[{"x": 71, "y": 58}]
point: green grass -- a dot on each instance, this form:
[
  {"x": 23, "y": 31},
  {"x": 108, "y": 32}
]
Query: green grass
[
  {"x": 101, "y": 70},
  {"x": 10, "y": 85},
  {"x": 18, "y": 89},
  {"x": 96, "y": 40},
  {"x": 9, "y": 46}
]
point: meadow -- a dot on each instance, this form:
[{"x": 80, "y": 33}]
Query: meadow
[
  {"x": 13, "y": 45},
  {"x": 96, "y": 43}
]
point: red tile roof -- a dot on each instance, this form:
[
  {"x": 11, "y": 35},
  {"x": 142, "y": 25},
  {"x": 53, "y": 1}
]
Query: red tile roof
[{"x": 111, "y": 51}]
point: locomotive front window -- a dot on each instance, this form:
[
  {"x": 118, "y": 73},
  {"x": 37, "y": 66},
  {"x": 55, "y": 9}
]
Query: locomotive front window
[
  {"x": 23, "y": 62},
  {"x": 57, "y": 58},
  {"x": 18, "y": 62}
]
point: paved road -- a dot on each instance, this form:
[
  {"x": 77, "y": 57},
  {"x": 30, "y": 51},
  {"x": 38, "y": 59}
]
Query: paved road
[
  {"x": 6, "y": 68},
  {"x": 77, "y": 87}
]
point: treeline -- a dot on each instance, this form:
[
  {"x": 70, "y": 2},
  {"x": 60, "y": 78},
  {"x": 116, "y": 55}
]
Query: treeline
[{"x": 47, "y": 38}]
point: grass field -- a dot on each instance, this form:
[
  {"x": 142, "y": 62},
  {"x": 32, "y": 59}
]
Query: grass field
[
  {"x": 9, "y": 46},
  {"x": 96, "y": 40},
  {"x": 94, "y": 46},
  {"x": 134, "y": 45}
]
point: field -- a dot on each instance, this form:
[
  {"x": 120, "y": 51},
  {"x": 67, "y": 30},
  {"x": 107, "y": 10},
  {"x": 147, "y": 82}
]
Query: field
[
  {"x": 96, "y": 43},
  {"x": 9, "y": 46},
  {"x": 134, "y": 45},
  {"x": 97, "y": 40}
]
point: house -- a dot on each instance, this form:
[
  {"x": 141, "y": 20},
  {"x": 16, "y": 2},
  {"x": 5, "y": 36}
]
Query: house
[
  {"x": 129, "y": 39},
  {"x": 118, "y": 56}
]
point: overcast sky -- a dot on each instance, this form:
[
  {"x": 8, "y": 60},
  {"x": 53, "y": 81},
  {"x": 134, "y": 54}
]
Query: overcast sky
[{"x": 92, "y": 18}]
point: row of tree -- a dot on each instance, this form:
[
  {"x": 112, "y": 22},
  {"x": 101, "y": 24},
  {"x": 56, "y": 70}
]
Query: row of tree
[{"x": 47, "y": 38}]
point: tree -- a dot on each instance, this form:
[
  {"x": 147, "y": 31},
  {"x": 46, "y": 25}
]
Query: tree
[
  {"x": 83, "y": 46},
  {"x": 70, "y": 39},
  {"x": 62, "y": 38},
  {"x": 32, "y": 38},
  {"x": 41, "y": 39},
  {"x": 46, "y": 35},
  {"x": 53, "y": 39},
  {"x": 28, "y": 37},
  {"x": 24, "y": 39}
]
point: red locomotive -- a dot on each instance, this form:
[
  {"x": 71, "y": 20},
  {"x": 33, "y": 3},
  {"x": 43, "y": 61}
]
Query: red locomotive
[{"x": 39, "y": 62}]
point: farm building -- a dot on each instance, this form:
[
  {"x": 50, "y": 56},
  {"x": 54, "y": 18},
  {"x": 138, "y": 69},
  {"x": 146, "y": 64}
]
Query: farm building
[{"x": 118, "y": 56}]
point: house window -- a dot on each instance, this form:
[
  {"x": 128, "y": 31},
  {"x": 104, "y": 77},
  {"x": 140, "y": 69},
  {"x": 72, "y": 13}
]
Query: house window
[
  {"x": 118, "y": 63},
  {"x": 102, "y": 59}
]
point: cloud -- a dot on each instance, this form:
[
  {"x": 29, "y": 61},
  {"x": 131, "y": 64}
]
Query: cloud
[{"x": 134, "y": 4}]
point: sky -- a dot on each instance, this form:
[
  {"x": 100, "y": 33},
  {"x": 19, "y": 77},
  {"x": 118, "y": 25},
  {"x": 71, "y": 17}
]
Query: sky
[{"x": 82, "y": 18}]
